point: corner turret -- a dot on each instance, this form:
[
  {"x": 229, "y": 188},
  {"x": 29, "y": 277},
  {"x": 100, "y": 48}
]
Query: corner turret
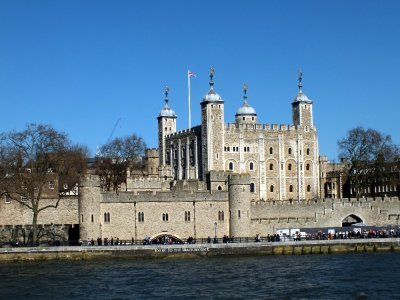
[
  {"x": 166, "y": 125},
  {"x": 212, "y": 130},
  {"x": 239, "y": 205},
  {"x": 302, "y": 107}
]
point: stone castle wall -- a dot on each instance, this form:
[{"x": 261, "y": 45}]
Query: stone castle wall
[
  {"x": 14, "y": 213},
  {"x": 198, "y": 213},
  {"x": 271, "y": 215}
]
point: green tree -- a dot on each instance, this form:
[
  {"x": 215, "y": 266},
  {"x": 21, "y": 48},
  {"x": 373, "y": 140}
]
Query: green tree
[
  {"x": 369, "y": 152},
  {"x": 114, "y": 159},
  {"x": 32, "y": 159}
]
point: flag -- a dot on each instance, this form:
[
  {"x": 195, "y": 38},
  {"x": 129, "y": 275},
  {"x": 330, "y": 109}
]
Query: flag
[{"x": 191, "y": 74}]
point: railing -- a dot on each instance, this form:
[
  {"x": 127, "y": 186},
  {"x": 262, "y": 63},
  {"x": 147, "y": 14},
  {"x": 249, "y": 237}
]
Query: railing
[{"x": 223, "y": 240}]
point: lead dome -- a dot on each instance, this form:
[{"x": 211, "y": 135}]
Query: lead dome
[
  {"x": 167, "y": 112},
  {"x": 246, "y": 110}
]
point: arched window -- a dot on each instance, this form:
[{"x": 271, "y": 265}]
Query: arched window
[
  {"x": 271, "y": 150},
  {"x": 106, "y": 217},
  {"x": 220, "y": 215},
  {"x": 291, "y": 188},
  {"x": 252, "y": 187},
  {"x": 219, "y": 188},
  {"x": 289, "y": 167},
  {"x": 308, "y": 167},
  {"x": 251, "y": 166},
  {"x": 141, "y": 216},
  {"x": 271, "y": 188},
  {"x": 187, "y": 216},
  {"x": 231, "y": 166},
  {"x": 308, "y": 188},
  {"x": 290, "y": 151},
  {"x": 308, "y": 151},
  {"x": 271, "y": 166},
  {"x": 165, "y": 217}
]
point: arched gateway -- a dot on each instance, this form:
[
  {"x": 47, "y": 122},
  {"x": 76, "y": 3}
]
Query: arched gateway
[
  {"x": 351, "y": 220},
  {"x": 165, "y": 237}
]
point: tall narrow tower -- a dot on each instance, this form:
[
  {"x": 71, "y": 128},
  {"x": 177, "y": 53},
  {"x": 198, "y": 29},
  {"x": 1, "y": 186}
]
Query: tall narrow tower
[
  {"x": 302, "y": 107},
  {"x": 166, "y": 125},
  {"x": 212, "y": 130}
]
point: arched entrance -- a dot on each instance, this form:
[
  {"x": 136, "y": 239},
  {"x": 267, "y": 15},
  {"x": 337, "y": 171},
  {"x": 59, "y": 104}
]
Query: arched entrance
[
  {"x": 351, "y": 220},
  {"x": 165, "y": 238}
]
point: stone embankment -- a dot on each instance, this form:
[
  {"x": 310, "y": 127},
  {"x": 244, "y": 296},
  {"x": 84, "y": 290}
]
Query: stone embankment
[{"x": 200, "y": 250}]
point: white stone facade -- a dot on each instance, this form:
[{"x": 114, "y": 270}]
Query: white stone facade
[{"x": 282, "y": 160}]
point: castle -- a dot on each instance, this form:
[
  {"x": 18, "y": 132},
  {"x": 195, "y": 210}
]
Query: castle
[
  {"x": 216, "y": 179},
  {"x": 281, "y": 160},
  {"x": 238, "y": 179}
]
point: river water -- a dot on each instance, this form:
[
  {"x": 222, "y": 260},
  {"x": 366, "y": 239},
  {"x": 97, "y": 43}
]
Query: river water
[{"x": 348, "y": 276}]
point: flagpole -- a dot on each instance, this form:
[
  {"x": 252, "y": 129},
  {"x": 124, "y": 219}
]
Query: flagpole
[{"x": 190, "y": 125}]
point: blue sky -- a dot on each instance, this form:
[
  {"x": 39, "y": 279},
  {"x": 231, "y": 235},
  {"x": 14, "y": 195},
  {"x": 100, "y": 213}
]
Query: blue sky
[{"x": 82, "y": 65}]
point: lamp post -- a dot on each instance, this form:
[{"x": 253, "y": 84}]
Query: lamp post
[{"x": 215, "y": 232}]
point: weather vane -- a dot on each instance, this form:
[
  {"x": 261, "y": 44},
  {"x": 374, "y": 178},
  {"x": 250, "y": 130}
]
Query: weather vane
[
  {"x": 166, "y": 92},
  {"x": 212, "y": 73},
  {"x": 245, "y": 88},
  {"x": 300, "y": 79}
]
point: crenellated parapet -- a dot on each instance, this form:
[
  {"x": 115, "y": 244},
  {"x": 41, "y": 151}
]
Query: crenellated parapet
[
  {"x": 239, "y": 179},
  {"x": 184, "y": 133},
  {"x": 234, "y": 128},
  {"x": 163, "y": 197}
]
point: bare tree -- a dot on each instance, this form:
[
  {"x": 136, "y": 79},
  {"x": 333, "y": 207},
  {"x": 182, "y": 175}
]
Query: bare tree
[
  {"x": 369, "y": 152},
  {"x": 116, "y": 157},
  {"x": 34, "y": 159}
]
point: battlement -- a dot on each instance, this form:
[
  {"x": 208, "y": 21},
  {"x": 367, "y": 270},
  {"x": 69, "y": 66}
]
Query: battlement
[
  {"x": 218, "y": 176},
  {"x": 239, "y": 179},
  {"x": 89, "y": 180},
  {"x": 146, "y": 179},
  {"x": 151, "y": 152},
  {"x": 233, "y": 127},
  {"x": 164, "y": 196},
  {"x": 326, "y": 202},
  {"x": 183, "y": 133}
]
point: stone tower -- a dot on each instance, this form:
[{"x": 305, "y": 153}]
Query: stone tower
[
  {"x": 302, "y": 107},
  {"x": 212, "y": 130},
  {"x": 152, "y": 162},
  {"x": 89, "y": 207},
  {"x": 166, "y": 125},
  {"x": 239, "y": 205}
]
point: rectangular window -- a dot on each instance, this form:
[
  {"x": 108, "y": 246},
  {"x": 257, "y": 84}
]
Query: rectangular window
[
  {"x": 239, "y": 214},
  {"x": 51, "y": 184},
  {"x": 7, "y": 200},
  {"x": 92, "y": 218}
]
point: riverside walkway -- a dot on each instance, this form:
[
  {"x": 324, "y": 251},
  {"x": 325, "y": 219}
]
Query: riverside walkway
[{"x": 200, "y": 250}]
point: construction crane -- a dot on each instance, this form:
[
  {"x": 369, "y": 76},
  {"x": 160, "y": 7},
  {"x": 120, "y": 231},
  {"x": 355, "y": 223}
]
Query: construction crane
[{"x": 113, "y": 130}]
